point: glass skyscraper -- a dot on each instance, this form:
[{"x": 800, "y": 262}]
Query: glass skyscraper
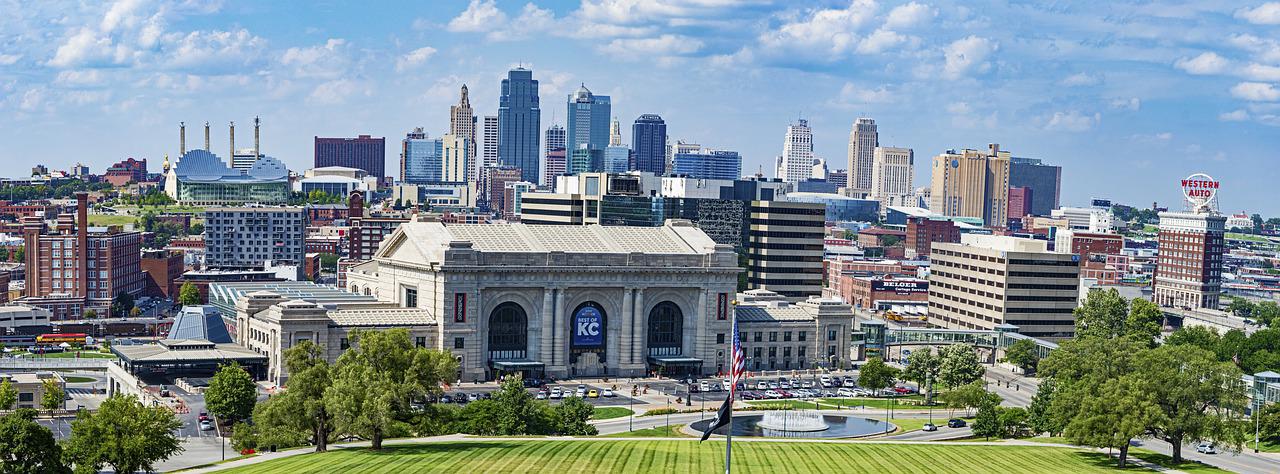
[
  {"x": 617, "y": 159},
  {"x": 649, "y": 142},
  {"x": 519, "y": 123},
  {"x": 420, "y": 158},
  {"x": 707, "y": 164},
  {"x": 1044, "y": 180},
  {"x": 588, "y": 125}
]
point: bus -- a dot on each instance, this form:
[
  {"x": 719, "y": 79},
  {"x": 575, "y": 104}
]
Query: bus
[{"x": 59, "y": 338}]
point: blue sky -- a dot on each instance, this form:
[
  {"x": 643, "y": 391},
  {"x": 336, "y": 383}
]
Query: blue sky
[{"x": 1127, "y": 97}]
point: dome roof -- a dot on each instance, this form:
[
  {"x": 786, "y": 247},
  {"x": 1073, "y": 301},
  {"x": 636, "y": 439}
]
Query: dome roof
[
  {"x": 203, "y": 166},
  {"x": 582, "y": 95},
  {"x": 268, "y": 168}
]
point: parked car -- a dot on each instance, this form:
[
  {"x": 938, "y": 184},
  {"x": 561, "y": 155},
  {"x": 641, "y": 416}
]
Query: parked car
[
  {"x": 1206, "y": 448},
  {"x": 850, "y": 382},
  {"x": 774, "y": 385},
  {"x": 555, "y": 393},
  {"x": 772, "y": 394},
  {"x": 475, "y": 397},
  {"x": 929, "y": 427},
  {"x": 845, "y": 392},
  {"x": 593, "y": 393},
  {"x": 582, "y": 391},
  {"x": 607, "y": 393},
  {"x": 446, "y": 399},
  {"x": 704, "y": 387},
  {"x": 784, "y": 384},
  {"x": 206, "y": 425},
  {"x": 762, "y": 385},
  {"x": 826, "y": 380},
  {"x": 204, "y": 416},
  {"x": 956, "y": 423},
  {"x": 715, "y": 387},
  {"x": 541, "y": 395}
]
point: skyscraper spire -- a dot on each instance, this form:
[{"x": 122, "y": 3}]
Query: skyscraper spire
[{"x": 615, "y": 133}]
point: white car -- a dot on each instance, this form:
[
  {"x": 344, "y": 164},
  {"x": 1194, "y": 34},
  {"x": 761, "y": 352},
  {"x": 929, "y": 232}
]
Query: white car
[
  {"x": 1206, "y": 448},
  {"x": 774, "y": 385},
  {"x": 705, "y": 387},
  {"x": 607, "y": 393},
  {"x": 808, "y": 384},
  {"x": 772, "y": 394},
  {"x": 540, "y": 396},
  {"x": 845, "y": 392},
  {"x": 205, "y": 425},
  {"x": 849, "y": 382},
  {"x": 826, "y": 380},
  {"x": 555, "y": 393},
  {"x": 582, "y": 392},
  {"x": 762, "y": 385}
]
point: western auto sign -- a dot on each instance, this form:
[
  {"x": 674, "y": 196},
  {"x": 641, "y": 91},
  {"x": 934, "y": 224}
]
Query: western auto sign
[
  {"x": 588, "y": 327},
  {"x": 901, "y": 287},
  {"x": 1199, "y": 189}
]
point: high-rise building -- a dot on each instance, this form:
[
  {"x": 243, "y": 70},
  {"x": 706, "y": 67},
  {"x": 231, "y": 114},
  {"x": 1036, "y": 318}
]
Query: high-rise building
[
  {"x": 555, "y": 165},
  {"x": 585, "y": 160},
  {"x": 923, "y": 232},
  {"x": 785, "y": 248},
  {"x": 554, "y": 138},
  {"x": 892, "y": 175},
  {"x": 588, "y": 122},
  {"x": 1189, "y": 259},
  {"x": 648, "y": 144},
  {"x": 863, "y": 140},
  {"x": 708, "y": 164},
  {"x": 615, "y": 133},
  {"x": 989, "y": 280},
  {"x": 252, "y": 237},
  {"x": 796, "y": 163},
  {"x": 617, "y": 158},
  {"x": 497, "y": 179},
  {"x": 455, "y": 159},
  {"x": 1045, "y": 182},
  {"x": 972, "y": 183},
  {"x": 363, "y": 152},
  {"x": 421, "y": 158},
  {"x": 838, "y": 178},
  {"x": 519, "y": 120},
  {"x": 462, "y": 123},
  {"x": 489, "y": 144},
  {"x": 1019, "y": 202}
]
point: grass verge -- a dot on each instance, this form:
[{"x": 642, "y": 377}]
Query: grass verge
[{"x": 605, "y": 413}]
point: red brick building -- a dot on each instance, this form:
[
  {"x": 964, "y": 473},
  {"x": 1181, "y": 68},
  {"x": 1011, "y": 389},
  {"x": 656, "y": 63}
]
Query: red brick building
[
  {"x": 163, "y": 267},
  {"x": 922, "y": 232},
  {"x": 320, "y": 215},
  {"x": 1085, "y": 244},
  {"x": 1019, "y": 202},
  {"x": 879, "y": 237},
  {"x": 126, "y": 171},
  {"x": 866, "y": 291},
  {"x": 497, "y": 180},
  {"x": 25, "y": 209},
  {"x": 1189, "y": 260},
  {"x": 367, "y": 232}
]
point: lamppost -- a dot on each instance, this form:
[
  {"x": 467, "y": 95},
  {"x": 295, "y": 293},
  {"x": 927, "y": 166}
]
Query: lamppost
[
  {"x": 668, "y": 428},
  {"x": 632, "y": 401}
]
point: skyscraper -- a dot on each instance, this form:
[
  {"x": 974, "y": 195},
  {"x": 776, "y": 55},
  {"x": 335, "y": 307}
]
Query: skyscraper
[
  {"x": 420, "y": 158},
  {"x": 893, "y": 171},
  {"x": 863, "y": 140},
  {"x": 555, "y": 144},
  {"x": 796, "y": 163},
  {"x": 462, "y": 123},
  {"x": 363, "y": 152},
  {"x": 519, "y": 120},
  {"x": 1045, "y": 182},
  {"x": 615, "y": 133},
  {"x": 649, "y": 143},
  {"x": 555, "y": 138},
  {"x": 588, "y": 125},
  {"x": 708, "y": 164},
  {"x": 489, "y": 150},
  {"x": 456, "y": 159},
  {"x": 972, "y": 183}
]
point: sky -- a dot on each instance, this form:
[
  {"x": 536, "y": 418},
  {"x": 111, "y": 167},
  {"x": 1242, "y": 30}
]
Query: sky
[{"x": 1128, "y": 97}]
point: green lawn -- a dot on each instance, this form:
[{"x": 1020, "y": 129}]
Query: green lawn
[
  {"x": 605, "y": 413},
  {"x": 659, "y": 432},
  {"x": 107, "y": 220},
  {"x": 1192, "y": 467},
  {"x": 524, "y": 456}
]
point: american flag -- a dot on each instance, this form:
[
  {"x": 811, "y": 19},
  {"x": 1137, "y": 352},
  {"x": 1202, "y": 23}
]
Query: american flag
[{"x": 738, "y": 364}]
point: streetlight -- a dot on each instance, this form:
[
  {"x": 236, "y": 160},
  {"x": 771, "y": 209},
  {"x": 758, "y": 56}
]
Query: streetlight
[
  {"x": 668, "y": 429},
  {"x": 632, "y": 400}
]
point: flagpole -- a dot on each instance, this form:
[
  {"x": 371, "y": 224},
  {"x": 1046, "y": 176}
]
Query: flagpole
[{"x": 733, "y": 389}]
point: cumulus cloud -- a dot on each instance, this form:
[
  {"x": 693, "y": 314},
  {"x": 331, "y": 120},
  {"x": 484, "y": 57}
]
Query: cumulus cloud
[
  {"x": 531, "y": 20},
  {"x": 909, "y": 15},
  {"x": 480, "y": 15},
  {"x": 1256, "y": 91},
  {"x": 215, "y": 52},
  {"x": 9, "y": 59},
  {"x": 851, "y": 96},
  {"x": 414, "y": 58},
  {"x": 1263, "y": 49},
  {"x": 336, "y": 92},
  {"x": 828, "y": 30},
  {"x": 880, "y": 41},
  {"x": 1205, "y": 63},
  {"x": 1238, "y": 115},
  {"x": 665, "y": 45},
  {"x": 1082, "y": 79},
  {"x": 1260, "y": 72},
  {"x": 76, "y": 77},
  {"x": 1072, "y": 121},
  {"x": 1265, "y": 14},
  {"x": 968, "y": 55},
  {"x": 324, "y": 61},
  {"x": 1121, "y": 103}
]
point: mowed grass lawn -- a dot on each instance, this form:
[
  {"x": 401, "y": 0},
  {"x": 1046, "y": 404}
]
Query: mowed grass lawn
[
  {"x": 605, "y": 413},
  {"x": 525, "y": 456}
]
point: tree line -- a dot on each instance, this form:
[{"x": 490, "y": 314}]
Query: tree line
[{"x": 123, "y": 434}]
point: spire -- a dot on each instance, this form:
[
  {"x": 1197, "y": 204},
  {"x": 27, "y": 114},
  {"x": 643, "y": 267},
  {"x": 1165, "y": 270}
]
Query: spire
[{"x": 465, "y": 101}]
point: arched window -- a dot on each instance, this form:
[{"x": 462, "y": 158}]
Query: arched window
[
  {"x": 367, "y": 292},
  {"x": 508, "y": 332},
  {"x": 666, "y": 329}
]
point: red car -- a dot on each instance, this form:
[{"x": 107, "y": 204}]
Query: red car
[{"x": 204, "y": 416}]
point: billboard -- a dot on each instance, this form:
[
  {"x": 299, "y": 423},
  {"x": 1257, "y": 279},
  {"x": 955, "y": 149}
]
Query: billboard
[
  {"x": 901, "y": 287},
  {"x": 588, "y": 327}
]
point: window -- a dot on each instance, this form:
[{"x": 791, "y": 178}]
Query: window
[
  {"x": 411, "y": 297},
  {"x": 459, "y": 342},
  {"x": 801, "y": 336},
  {"x": 459, "y": 307},
  {"x": 831, "y": 335},
  {"x": 720, "y": 338},
  {"x": 759, "y": 336},
  {"x": 773, "y": 336},
  {"x": 786, "y": 351},
  {"x": 756, "y": 353},
  {"x": 773, "y": 352},
  {"x": 786, "y": 336},
  {"x": 344, "y": 344},
  {"x": 421, "y": 341},
  {"x": 800, "y": 351},
  {"x": 27, "y": 396},
  {"x": 831, "y": 350}
]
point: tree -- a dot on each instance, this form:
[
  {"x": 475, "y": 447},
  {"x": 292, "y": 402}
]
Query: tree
[
  {"x": 1102, "y": 314},
  {"x": 1144, "y": 321},
  {"x": 572, "y": 416},
  {"x": 1113, "y": 414},
  {"x": 1267, "y": 313},
  {"x": 1198, "y": 336},
  {"x": 970, "y": 396},
  {"x": 1022, "y": 354},
  {"x": 875, "y": 374},
  {"x": 231, "y": 394},
  {"x": 1240, "y": 307},
  {"x": 987, "y": 422},
  {"x": 196, "y": 229},
  {"x": 28, "y": 448},
  {"x": 1201, "y": 399},
  {"x": 123, "y": 434},
  {"x": 55, "y": 396},
  {"x": 922, "y": 367},
  {"x": 298, "y": 416},
  {"x": 1257, "y": 223},
  {"x": 135, "y": 312},
  {"x": 1013, "y": 422},
  {"x": 518, "y": 414},
  {"x": 959, "y": 366},
  {"x": 8, "y": 395},
  {"x": 1039, "y": 417},
  {"x": 122, "y": 303},
  {"x": 188, "y": 295},
  {"x": 90, "y": 313},
  {"x": 20, "y": 254}
]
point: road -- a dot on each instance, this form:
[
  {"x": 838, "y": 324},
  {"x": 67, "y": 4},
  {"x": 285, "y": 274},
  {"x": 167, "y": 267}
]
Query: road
[
  {"x": 1015, "y": 389},
  {"x": 943, "y": 433},
  {"x": 1245, "y": 462}
]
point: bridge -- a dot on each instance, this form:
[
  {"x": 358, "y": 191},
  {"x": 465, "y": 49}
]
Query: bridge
[
  {"x": 876, "y": 337},
  {"x": 52, "y": 363}
]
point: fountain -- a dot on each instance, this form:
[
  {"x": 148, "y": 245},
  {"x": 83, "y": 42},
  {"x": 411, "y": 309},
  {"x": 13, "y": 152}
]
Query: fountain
[
  {"x": 783, "y": 421},
  {"x": 799, "y": 424}
]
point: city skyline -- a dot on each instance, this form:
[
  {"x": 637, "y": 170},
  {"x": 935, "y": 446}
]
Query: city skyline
[{"x": 1126, "y": 98}]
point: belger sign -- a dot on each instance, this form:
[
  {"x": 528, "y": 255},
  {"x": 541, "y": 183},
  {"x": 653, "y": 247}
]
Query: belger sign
[{"x": 1199, "y": 188}]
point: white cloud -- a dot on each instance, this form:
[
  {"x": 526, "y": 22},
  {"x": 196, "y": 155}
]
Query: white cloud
[
  {"x": 738, "y": 58},
  {"x": 670, "y": 11},
  {"x": 880, "y": 41},
  {"x": 1072, "y": 121},
  {"x": 88, "y": 48},
  {"x": 968, "y": 55},
  {"x": 1263, "y": 49},
  {"x": 1082, "y": 79},
  {"x": 665, "y": 45},
  {"x": 1261, "y": 72},
  {"x": 1238, "y": 115},
  {"x": 832, "y": 31},
  {"x": 1265, "y": 14},
  {"x": 325, "y": 61},
  {"x": 1162, "y": 137},
  {"x": 531, "y": 20},
  {"x": 1205, "y": 63},
  {"x": 480, "y": 15},
  {"x": 77, "y": 77},
  {"x": 1256, "y": 91},
  {"x": 853, "y": 96},
  {"x": 1120, "y": 103},
  {"x": 414, "y": 58},
  {"x": 32, "y": 99},
  {"x": 336, "y": 92},
  {"x": 909, "y": 15},
  {"x": 9, "y": 59},
  {"x": 215, "y": 51}
]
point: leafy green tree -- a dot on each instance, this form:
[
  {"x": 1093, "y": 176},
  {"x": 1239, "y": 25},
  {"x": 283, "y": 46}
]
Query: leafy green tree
[
  {"x": 1269, "y": 423},
  {"x": 1039, "y": 417},
  {"x": 20, "y": 254},
  {"x": 1022, "y": 354},
  {"x": 1267, "y": 313},
  {"x": 1143, "y": 323},
  {"x": 8, "y": 395},
  {"x": 196, "y": 229},
  {"x": 1198, "y": 336},
  {"x": 959, "y": 366},
  {"x": 987, "y": 423},
  {"x": 123, "y": 434},
  {"x": 135, "y": 312},
  {"x": 28, "y": 448},
  {"x": 875, "y": 374},
  {"x": 922, "y": 367},
  {"x": 1102, "y": 314},
  {"x": 90, "y": 313},
  {"x": 1201, "y": 399},
  {"x": 519, "y": 413},
  {"x": 572, "y": 416},
  {"x": 477, "y": 418},
  {"x": 1013, "y": 422},
  {"x": 122, "y": 303},
  {"x": 188, "y": 295},
  {"x": 231, "y": 394},
  {"x": 1113, "y": 414},
  {"x": 1240, "y": 307},
  {"x": 55, "y": 397},
  {"x": 973, "y": 395}
]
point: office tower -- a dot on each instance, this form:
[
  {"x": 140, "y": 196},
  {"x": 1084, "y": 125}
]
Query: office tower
[
  {"x": 455, "y": 159},
  {"x": 989, "y": 280},
  {"x": 708, "y": 164},
  {"x": 489, "y": 145},
  {"x": 555, "y": 165},
  {"x": 972, "y": 183},
  {"x": 462, "y": 123},
  {"x": 555, "y": 138},
  {"x": 1045, "y": 182},
  {"x": 785, "y": 248},
  {"x": 923, "y": 232},
  {"x": 585, "y": 160},
  {"x": 1019, "y": 202},
  {"x": 519, "y": 120},
  {"x": 617, "y": 159},
  {"x": 892, "y": 173},
  {"x": 1189, "y": 258},
  {"x": 496, "y": 181},
  {"x": 588, "y": 122},
  {"x": 863, "y": 140},
  {"x": 615, "y": 133},
  {"x": 275, "y": 235},
  {"x": 648, "y": 144},
  {"x": 819, "y": 170},
  {"x": 796, "y": 163},
  {"x": 838, "y": 178},
  {"x": 421, "y": 158},
  {"x": 363, "y": 152}
]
